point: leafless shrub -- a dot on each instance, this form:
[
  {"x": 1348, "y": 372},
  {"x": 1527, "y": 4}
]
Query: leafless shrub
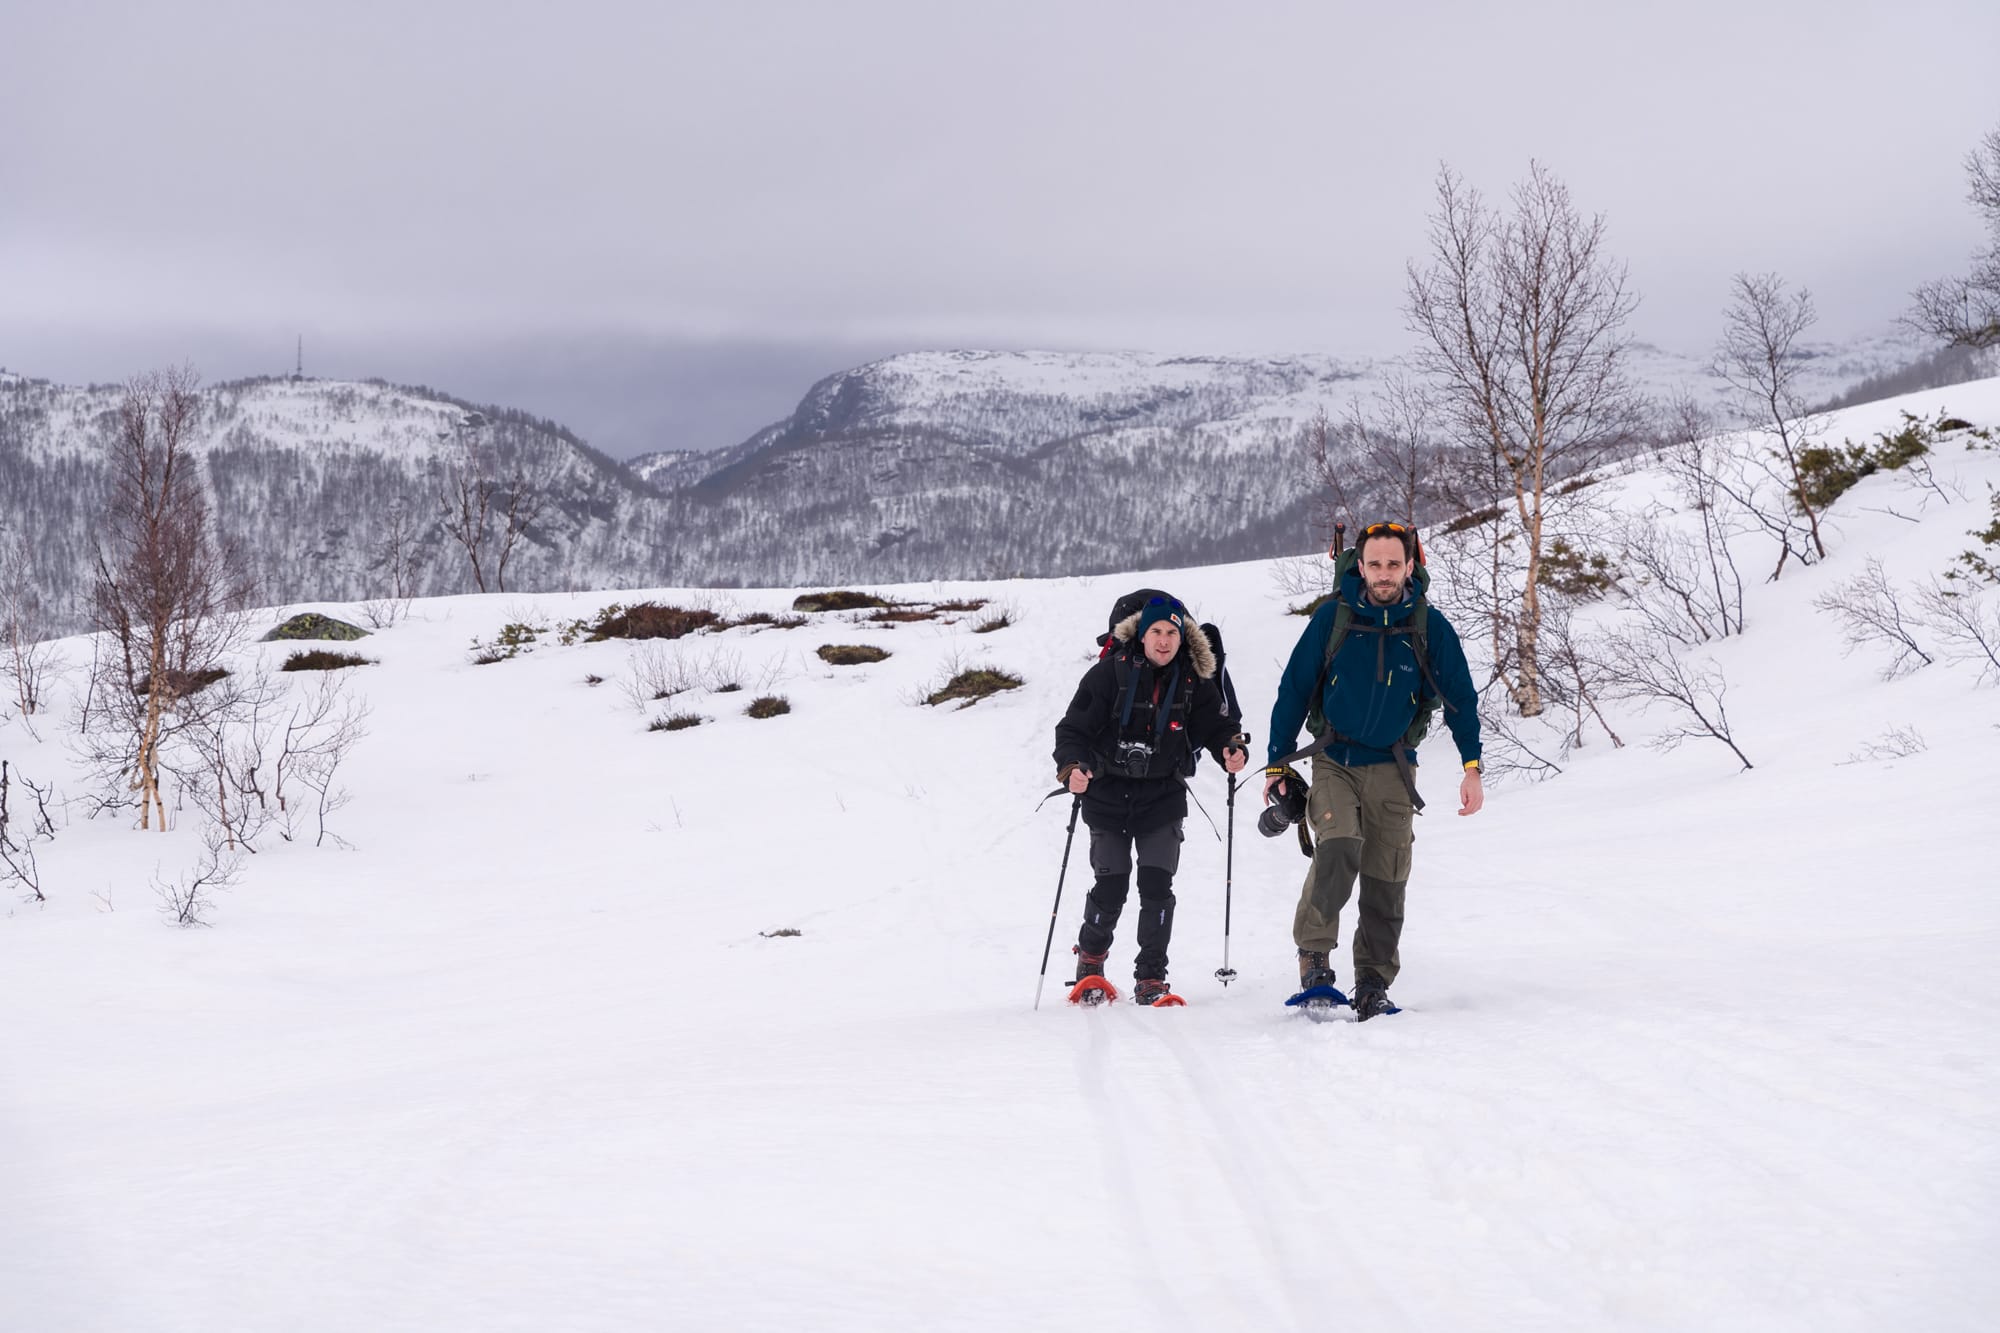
[
  {"x": 1302, "y": 577},
  {"x": 1644, "y": 667},
  {"x": 401, "y": 557},
  {"x": 1696, "y": 463},
  {"x": 722, "y": 672},
  {"x": 1516, "y": 747},
  {"x": 1676, "y": 585},
  {"x": 1896, "y": 743},
  {"x": 384, "y": 612},
  {"x": 222, "y": 763},
  {"x": 1756, "y": 358},
  {"x": 999, "y": 614},
  {"x": 189, "y": 900},
  {"x": 1967, "y": 626},
  {"x": 1576, "y": 675},
  {"x": 656, "y": 670},
  {"x": 17, "y": 843},
  {"x": 28, "y": 657},
  {"x": 319, "y": 735},
  {"x": 1871, "y": 614},
  {"x": 1920, "y": 474}
]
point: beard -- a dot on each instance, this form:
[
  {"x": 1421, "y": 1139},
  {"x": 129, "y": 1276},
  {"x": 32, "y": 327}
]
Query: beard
[{"x": 1385, "y": 594}]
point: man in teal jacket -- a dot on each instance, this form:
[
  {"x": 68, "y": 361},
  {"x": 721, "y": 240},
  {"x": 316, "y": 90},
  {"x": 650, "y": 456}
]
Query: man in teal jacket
[{"x": 1395, "y": 655}]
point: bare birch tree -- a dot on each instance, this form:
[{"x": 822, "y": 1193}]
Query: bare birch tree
[
  {"x": 166, "y": 593},
  {"x": 487, "y": 516},
  {"x": 1757, "y": 357},
  {"x": 1521, "y": 319},
  {"x": 1965, "y": 312}
]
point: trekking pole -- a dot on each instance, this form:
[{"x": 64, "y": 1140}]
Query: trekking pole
[
  {"x": 1075, "y": 808},
  {"x": 1226, "y": 974}
]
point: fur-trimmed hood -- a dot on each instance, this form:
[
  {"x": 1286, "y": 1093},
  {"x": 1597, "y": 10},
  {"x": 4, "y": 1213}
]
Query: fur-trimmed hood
[{"x": 1193, "y": 642}]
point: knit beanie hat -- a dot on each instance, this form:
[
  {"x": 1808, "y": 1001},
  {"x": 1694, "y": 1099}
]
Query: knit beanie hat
[{"x": 1158, "y": 609}]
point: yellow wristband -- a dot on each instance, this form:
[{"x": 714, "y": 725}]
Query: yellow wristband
[{"x": 1474, "y": 766}]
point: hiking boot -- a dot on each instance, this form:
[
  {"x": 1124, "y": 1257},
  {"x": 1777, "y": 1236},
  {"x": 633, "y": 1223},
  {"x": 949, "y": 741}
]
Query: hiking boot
[
  {"x": 1087, "y": 964},
  {"x": 1371, "y": 997},
  {"x": 1315, "y": 969},
  {"x": 1154, "y": 990}
]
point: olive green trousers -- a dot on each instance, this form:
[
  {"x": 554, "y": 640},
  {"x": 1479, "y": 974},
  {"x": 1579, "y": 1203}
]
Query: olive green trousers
[{"x": 1361, "y": 822}]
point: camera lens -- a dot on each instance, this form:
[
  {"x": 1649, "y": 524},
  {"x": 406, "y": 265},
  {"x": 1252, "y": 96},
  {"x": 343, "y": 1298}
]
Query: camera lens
[
  {"x": 1272, "y": 821},
  {"x": 1287, "y": 807}
]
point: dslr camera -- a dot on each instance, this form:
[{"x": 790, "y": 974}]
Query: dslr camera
[
  {"x": 1287, "y": 807},
  {"x": 1130, "y": 759}
]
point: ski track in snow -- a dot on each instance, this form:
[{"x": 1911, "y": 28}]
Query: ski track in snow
[{"x": 1681, "y": 1047}]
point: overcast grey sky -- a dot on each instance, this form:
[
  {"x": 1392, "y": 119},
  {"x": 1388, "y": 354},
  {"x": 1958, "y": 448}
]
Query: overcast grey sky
[{"x": 622, "y": 211}]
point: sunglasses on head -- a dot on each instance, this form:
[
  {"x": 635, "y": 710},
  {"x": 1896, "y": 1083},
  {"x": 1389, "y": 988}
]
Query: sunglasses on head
[
  {"x": 1378, "y": 529},
  {"x": 1171, "y": 603}
]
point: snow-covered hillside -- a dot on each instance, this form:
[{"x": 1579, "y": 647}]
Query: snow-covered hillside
[
  {"x": 1682, "y": 1046},
  {"x": 310, "y": 477},
  {"x": 959, "y": 464}
]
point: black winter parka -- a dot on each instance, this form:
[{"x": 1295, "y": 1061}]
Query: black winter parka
[{"x": 1090, "y": 728}]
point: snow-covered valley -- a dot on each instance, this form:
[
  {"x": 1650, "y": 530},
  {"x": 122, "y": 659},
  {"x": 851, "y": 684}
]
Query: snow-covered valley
[{"x": 1683, "y": 1046}]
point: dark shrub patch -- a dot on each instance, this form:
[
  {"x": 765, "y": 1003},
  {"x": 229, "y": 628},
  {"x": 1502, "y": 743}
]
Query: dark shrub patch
[
  {"x": 840, "y": 599},
  {"x": 593, "y": 679},
  {"x": 650, "y": 620},
  {"x": 769, "y": 705},
  {"x": 313, "y": 625},
  {"x": 971, "y": 604},
  {"x": 902, "y": 615},
  {"x": 1826, "y": 473},
  {"x": 850, "y": 654},
  {"x": 184, "y": 683},
  {"x": 1585, "y": 576},
  {"x": 762, "y": 619},
  {"x": 676, "y": 722},
  {"x": 1310, "y": 607},
  {"x": 972, "y": 686},
  {"x": 727, "y": 687},
  {"x": 323, "y": 659},
  {"x": 1465, "y": 522},
  {"x": 782, "y": 933},
  {"x": 993, "y": 621}
]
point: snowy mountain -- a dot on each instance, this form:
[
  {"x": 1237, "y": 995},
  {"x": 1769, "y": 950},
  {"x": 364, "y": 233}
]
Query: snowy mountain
[
  {"x": 585, "y": 1026},
  {"x": 935, "y": 464}
]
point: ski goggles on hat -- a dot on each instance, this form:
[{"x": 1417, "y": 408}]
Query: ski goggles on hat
[{"x": 1171, "y": 603}]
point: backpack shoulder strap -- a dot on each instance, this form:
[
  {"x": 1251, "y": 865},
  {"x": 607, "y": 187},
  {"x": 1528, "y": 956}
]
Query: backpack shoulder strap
[
  {"x": 1343, "y": 618},
  {"x": 1128, "y": 686}
]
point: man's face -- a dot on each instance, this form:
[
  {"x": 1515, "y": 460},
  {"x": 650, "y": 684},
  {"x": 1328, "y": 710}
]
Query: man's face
[
  {"x": 1384, "y": 568},
  {"x": 1162, "y": 641}
]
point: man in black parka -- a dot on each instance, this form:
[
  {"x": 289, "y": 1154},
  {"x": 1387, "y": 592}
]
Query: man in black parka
[{"x": 1126, "y": 746}]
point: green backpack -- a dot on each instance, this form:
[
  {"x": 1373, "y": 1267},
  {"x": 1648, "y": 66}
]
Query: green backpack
[{"x": 1415, "y": 627}]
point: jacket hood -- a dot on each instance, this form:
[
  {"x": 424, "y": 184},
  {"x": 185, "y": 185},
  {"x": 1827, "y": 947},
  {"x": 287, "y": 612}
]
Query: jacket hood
[{"x": 1193, "y": 642}]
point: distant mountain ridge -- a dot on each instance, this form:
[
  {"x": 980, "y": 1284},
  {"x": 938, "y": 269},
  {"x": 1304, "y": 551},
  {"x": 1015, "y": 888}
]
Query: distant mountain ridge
[{"x": 945, "y": 464}]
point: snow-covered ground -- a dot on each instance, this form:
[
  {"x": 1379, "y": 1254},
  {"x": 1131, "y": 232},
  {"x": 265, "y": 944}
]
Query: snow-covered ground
[{"x": 1683, "y": 1047}]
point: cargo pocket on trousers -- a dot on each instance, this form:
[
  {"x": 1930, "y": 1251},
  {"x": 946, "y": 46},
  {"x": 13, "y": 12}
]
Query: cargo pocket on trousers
[
  {"x": 1332, "y": 811},
  {"x": 1387, "y": 853}
]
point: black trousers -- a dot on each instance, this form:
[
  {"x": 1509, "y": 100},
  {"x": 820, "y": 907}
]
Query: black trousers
[{"x": 1158, "y": 853}]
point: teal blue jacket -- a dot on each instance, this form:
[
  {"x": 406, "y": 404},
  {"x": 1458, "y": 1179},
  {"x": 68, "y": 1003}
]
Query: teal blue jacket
[{"x": 1370, "y": 695}]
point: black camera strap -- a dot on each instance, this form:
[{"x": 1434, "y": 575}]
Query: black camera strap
[{"x": 1402, "y": 754}]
